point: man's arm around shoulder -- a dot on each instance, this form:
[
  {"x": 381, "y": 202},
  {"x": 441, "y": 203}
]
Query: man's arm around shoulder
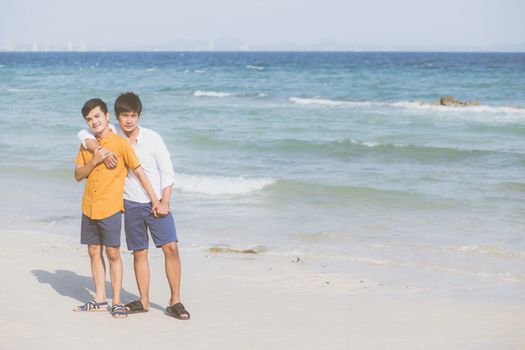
[{"x": 89, "y": 141}]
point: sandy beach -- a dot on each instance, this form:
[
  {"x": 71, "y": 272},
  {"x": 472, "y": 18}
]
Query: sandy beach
[{"x": 248, "y": 301}]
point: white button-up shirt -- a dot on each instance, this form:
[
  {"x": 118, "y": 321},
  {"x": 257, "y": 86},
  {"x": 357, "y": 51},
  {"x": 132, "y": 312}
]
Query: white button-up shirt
[{"x": 154, "y": 158}]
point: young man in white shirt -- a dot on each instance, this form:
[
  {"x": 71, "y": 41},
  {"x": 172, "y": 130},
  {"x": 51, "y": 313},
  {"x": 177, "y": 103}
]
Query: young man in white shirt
[{"x": 139, "y": 217}]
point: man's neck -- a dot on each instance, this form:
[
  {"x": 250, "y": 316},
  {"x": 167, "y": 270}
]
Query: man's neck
[
  {"x": 104, "y": 133},
  {"x": 132, "y": 135}
]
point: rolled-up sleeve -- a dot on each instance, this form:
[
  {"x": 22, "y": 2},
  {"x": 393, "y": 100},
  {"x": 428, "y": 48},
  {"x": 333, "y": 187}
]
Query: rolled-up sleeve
[{"x": 84, "y": 135}]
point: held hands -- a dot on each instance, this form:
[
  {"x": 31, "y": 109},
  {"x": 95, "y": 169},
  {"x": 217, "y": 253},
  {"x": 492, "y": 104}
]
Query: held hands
[
  {"x": 159, "y": 209},
  {"x": 163, "y": 209},
  {"x": 154, "y": 207}
]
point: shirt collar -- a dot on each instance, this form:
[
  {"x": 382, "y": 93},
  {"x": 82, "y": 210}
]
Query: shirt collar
[
  {"x": 122, "y": 133},
  {"x": 106, "y": 139},
  {"x": 139, "y": 135}
]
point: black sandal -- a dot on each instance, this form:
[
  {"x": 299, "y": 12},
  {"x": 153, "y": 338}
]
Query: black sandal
[
  {"x": 177, "y": 311},
  {"x": 135, "y": 307}
]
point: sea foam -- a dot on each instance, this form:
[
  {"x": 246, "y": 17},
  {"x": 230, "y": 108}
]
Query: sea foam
[
  {"x": 327, "y": 102},
  {"x": 200, "y": 93},
  {"x": 255, "y": 67},
  {"x": 220, "y": 185}
]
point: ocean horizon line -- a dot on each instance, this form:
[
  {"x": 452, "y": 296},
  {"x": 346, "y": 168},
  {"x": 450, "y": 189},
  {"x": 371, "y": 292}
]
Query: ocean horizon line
[{"x": 272, "y": 51}]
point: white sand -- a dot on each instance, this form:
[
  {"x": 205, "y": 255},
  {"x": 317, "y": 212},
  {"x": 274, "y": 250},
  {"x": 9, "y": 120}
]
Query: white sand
[{"x": 243, "y": 301}]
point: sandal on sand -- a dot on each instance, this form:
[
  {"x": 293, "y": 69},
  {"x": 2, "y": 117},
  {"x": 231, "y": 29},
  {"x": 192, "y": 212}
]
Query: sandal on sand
[
  {"x": 119, "y": 311},
  {"x": 135, "y": 307},
  {"x": 92, "y": 306},
  {"x": 178, "y": 311}
]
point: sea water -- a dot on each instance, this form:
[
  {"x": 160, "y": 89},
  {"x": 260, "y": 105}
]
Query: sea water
[{"x": 342, "y": 155}]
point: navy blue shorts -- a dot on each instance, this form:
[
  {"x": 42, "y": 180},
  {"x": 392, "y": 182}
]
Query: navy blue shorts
[
  {"x": 103, "y": 231},
  {"x": 138, "y": 219}
]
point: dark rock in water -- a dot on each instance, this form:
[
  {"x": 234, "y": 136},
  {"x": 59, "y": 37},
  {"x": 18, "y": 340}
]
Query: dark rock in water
[
  {"x": 451, "y": 101},
  {"x": 447, "y": 100}
]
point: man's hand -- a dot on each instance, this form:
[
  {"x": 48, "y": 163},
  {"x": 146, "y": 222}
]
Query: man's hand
[
  {"x": 155, "y": 207},
  {"x": 111, "y": 159},
  {"x": 100, "y": 155},
  {"x": 163, "y": 209}
]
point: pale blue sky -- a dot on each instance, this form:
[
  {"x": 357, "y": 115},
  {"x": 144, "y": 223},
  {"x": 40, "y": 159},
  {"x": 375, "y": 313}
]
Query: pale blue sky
[{"x": 457, "y": 25}]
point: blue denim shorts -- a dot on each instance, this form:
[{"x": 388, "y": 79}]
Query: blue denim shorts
[
  {"x": 138, "y": 219},
  {"x": 102, "y": 231}
]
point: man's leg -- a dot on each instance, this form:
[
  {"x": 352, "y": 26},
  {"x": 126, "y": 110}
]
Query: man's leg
[
  {"x": 142, "y": 275},
  {"x": 172, "y": 264},
  {"x": 115, "y": 272},
  {"x": 110, "y": 228},
  {"x": 165, "y": 235},
  {"x": 98, "y": 271},
  {"x": 90, "y": 236},
  {"x": 137, "y": 241},
  {"x": 173, "y": 270}
]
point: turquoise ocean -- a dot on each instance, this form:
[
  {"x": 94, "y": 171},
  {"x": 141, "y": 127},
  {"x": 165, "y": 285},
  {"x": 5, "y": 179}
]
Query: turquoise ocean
[{"x": 338, "y": 155}]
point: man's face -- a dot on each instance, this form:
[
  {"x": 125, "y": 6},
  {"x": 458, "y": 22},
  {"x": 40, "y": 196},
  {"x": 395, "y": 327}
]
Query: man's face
[
  {"x": 128, "y": 121},
  {"x": 97, "y": 120}
]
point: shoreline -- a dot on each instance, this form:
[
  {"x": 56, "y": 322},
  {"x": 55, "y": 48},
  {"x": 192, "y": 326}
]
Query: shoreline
[{"x": 240, "y": 301}]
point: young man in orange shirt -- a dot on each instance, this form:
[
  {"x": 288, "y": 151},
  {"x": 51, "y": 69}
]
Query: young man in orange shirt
[{"x": 102, "y": 204}]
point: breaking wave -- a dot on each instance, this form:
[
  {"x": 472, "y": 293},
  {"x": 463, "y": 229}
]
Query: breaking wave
[
  {"x": 220, "y": 185},
  {"x": 200, "y": 93}
]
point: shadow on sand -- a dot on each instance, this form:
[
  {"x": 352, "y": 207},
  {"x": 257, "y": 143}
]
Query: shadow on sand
[{"x": 81, "y": 288}]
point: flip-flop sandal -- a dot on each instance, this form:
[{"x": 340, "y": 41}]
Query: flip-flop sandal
[
  {"x": 92, "y": 306},
  {"x": 135, "y": 307},
  {"x": 177, "y": 311},
  {"x": 119, "y": 311}
]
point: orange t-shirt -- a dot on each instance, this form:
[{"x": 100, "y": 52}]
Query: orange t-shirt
[{"x": 104, "y": 191}]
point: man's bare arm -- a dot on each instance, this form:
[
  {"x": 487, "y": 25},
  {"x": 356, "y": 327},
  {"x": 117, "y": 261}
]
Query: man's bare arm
[{"x": 111, "y": 160}]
